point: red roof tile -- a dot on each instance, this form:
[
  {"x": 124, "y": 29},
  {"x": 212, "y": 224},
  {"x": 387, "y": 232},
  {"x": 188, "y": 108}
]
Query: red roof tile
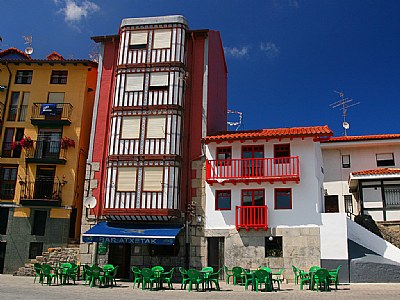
[
  {"x": 380, "y": 171},
  {"x": 54, "y": 56},
  {"x": 362, "y": 138},
  {"x": 312, "y": 131},
  {"x": 15, "y": 51}
]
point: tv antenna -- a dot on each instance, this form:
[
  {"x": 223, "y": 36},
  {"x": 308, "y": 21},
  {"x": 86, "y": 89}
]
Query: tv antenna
[
  {"x": 28, "y": 41},
  {"x": 344, "y": 104},
  {"x": 238, "y": 121}
]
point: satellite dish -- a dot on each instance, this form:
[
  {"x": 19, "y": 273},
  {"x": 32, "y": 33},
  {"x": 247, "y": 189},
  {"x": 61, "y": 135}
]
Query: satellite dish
[
  {"x": 90, "y": 202},
  {"x": 29, "y": 50},
  {"x": 346, "y": 125}
]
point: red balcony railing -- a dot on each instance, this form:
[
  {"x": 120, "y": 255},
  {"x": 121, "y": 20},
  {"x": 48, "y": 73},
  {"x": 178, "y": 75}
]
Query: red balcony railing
[
  {"x": 256, "y": 169},
  {"x": 255, "y": 217}
]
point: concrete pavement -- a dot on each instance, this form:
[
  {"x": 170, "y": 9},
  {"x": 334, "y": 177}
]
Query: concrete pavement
[{"x": 16, "y": 287}]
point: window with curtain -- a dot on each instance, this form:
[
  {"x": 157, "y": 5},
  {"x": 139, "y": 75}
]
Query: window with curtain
[
  {"x": 138, "y": 40},
  {"x": 156, "y": 127},
  {"x": 130, "y": 127},
  {"x": 153, "y": 179},
  {"x": 126, "y": 179},
  {"x": 134, "y": 82},
  {"x": 162, "y": 39}
]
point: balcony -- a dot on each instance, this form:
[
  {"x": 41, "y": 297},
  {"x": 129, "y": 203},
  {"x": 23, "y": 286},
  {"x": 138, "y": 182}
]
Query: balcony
[
  {"x": 55, "y": 114},
  {"x": 41, "y": 192},
  {"x": 251, "y": 217},
  {"x": 253, "y": 170},
  {"x": 46, "y": 152}
]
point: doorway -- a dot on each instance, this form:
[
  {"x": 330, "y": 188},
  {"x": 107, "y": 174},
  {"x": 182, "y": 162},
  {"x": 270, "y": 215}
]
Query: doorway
[
  {"x": 120, "y": 255},
  {"x": 332, "y": 204},
  {"x": 253, "y": 164},
  {"x": 2, "y": 256},
  {"x": 44, "y": 182},
  {"x": 215, "y": 253}
]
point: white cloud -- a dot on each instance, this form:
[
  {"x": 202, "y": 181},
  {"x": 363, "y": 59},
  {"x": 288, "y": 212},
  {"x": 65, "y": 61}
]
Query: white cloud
[
  {"x": 270, "y": 49},
  {"x": 236, "y": 51},
  {"x": 74, "y": 11}
]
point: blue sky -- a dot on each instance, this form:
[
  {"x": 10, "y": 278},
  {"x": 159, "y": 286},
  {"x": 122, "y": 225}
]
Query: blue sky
[{"x": 285, "y": 57}]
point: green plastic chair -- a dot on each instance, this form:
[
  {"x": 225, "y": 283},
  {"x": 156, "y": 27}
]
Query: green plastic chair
[
  {"x": 214, "y": 278},
  {"x": 87, "y": 273},
  {"x": 148, "y": 278},
  {"x": 38, "y": 272},
  {"x": 110, "y": 276},
  {"x": 195, "y": 278},
  {"x": 321, "y": 280},
  {"x": 277, "y": 277},
  {"x": 334, "y": 276},
  {"x": 49, "y": 274},
  {"x": 238, "y": 274},
  {"x": 96, "y": 276},
  {"x": 262, "y": 277},
  {"x": 167, "y": 278},
  {"x": 185, "y": 277},
  {"x": 228, "y": 274},
  {"x": 137, "y": 276},
  {"x": 306, "y": 278},
  {"x": 72, "y": 273},
  {"x": 297, "y": 276}
]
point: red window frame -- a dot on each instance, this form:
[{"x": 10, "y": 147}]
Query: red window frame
[
  {"x": 217, "y": 197},
  {"x": 280, "y": 191},
  {"x": 282, "y": 150},
  {"x": 227, "y": 153},
  {"x": 253, "y": 193}
]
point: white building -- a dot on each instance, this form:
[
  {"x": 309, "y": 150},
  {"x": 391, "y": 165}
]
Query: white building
[{"x": 362, "y": 175}]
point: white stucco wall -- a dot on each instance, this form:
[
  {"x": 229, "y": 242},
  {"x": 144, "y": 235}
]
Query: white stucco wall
[
  {"x": 371, "y": 241},
  {"x": 306, "y": 195},
  {"x": 333, "y": 236}
]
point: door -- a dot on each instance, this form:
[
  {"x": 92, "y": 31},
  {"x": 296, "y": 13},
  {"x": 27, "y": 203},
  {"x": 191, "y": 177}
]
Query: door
[
  {"x": 120, "y": 255},
  {"x": 2, "y": 256},
  {"x": 215, "y": 253},
  {"x": 252, "y": 215},
  {"x": 48, "y": 144},
  {"x": 332, "y": 204},
  {"x": 253, "y": 164},
  {"x": 44, "y": 182}
]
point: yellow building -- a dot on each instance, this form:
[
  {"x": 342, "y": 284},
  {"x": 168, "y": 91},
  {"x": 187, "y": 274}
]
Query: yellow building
[{"x": 45, "y": 113}]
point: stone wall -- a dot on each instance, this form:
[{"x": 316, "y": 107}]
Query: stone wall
[{"x": 53, "y": 257}]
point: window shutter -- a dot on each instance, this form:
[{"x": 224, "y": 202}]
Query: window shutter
[
  {"x": 126, "y": 180},
  {"x": 162, "y": 39},
  {"x": 130, "y": 128},
  {"x": 153, "y": 179},
  {"x": 134, "y": 82},
  {"x": 159, "y": 79},
  {"x": 56, "y": 97},
  {"x": 138, "y": 38},
  {"x": 156, "y": 127},
  {"x": 384, "y": 156}
]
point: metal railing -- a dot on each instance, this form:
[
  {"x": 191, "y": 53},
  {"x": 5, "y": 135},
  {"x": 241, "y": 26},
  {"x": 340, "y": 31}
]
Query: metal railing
[
  {"x": 263, "y": 168},
  {"x": 46, "y": 150},
  {"x": 62, "y": 111},
  {"x": 7, "y": 150},
  {"x": 43, "y": 192},
  {"x": 248, "y": 217}
]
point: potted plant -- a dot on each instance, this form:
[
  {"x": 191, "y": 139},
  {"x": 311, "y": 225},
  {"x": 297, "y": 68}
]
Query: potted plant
[
  {"x": 66, "y": 142},
  {"x": 15, "y": 145},
  {"x": 26, "y": 143}
]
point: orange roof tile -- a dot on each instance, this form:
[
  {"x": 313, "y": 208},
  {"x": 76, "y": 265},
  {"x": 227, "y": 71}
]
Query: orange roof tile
[
  {"x": 14, "y": 50},
  {"x": 311, "y": 131},
  {"x": 362, "y": 138},
  {"x": 380, "y": 171}
]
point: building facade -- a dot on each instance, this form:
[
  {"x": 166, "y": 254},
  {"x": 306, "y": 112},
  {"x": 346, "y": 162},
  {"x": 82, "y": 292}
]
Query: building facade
[
  {"x": 264, "y": 198},
  {"x": 162, "y": 88},
  {"x": 362, "y": 175},
  {"x": 45, "y": 124}
]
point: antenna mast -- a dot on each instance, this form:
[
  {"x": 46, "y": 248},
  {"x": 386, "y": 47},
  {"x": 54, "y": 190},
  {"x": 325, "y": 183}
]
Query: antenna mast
[
  {"x": 344, "y": 104},
  {"x": 237, "y": 123}
]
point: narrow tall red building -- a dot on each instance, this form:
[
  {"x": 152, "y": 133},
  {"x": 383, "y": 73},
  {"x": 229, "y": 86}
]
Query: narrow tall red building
[{"x": 161, "y": 88}]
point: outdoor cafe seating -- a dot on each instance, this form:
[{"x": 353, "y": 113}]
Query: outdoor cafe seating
[{"x": 317, "y": 278}]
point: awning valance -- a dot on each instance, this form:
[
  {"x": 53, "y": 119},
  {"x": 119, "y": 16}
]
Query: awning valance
[{"x": 118, "y": 233}]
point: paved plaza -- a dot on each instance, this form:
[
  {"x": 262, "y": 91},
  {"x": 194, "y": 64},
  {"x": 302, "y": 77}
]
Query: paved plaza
[{"x": 15, "y": 287}]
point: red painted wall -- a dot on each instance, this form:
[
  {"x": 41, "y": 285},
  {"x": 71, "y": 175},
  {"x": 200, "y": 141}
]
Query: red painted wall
[{"x": 103, "y": 118}]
